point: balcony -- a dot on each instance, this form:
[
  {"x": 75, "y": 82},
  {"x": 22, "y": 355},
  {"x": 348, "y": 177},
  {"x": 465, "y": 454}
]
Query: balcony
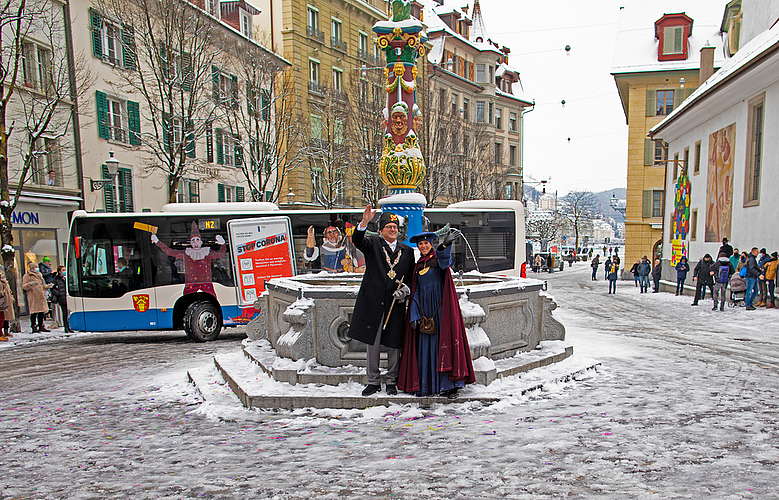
[
  {"x": 337, "y": 43},
  {"x": 316, "y": 87},
  {"x": 369, "y": 58},
  {"x": 315, "y": 34}
]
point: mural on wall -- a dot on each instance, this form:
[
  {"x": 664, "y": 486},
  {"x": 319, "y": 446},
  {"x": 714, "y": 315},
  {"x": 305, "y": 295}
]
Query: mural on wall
[
  {"x": 680, "y": 220},
  {"x": 719, "y": 184}
]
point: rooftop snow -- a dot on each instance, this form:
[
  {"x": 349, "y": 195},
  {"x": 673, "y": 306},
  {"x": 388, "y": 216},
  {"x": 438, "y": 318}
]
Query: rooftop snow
[{"x": 636, "y": 46}]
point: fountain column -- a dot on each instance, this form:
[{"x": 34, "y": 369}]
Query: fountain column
[{"x": 402, "y": 167}]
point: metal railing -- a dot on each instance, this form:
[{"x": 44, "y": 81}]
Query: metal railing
[{"x": 315, "y": 33}]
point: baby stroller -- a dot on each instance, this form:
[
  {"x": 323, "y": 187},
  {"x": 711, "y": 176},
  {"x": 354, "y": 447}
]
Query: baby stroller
[{"x": 738, "y": 287}]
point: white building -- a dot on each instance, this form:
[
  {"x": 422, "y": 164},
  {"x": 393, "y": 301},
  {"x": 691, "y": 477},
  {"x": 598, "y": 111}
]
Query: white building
[{"x": 724, "y": 138}]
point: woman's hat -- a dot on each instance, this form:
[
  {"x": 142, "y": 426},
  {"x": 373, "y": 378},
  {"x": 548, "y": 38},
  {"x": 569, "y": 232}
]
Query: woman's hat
[
  {"x": 46, "y": 259},
  {"x": 425, "y": 236}
]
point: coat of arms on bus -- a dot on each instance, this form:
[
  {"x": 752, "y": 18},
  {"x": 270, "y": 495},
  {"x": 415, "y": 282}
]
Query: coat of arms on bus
[{"x": 141, "y": 302}]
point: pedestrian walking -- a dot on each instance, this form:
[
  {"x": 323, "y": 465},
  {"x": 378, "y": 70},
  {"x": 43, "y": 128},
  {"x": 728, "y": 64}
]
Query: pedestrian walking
[
  {"x": 682, "y": 268},
  {"x": 703, "y": 275},
  {"x": 762, "y": 286},
  {"x": 35, "y": 286},
  {"x": 724, "y": 271},
  {"x": 379, "y": 311},
  {"x": 644, "y": 271},
  {"x": 537, "y": 263},
  {"x": 607, "y": 268},
  {"x": 613, "y": 272},
  {"x": 8, "y": 310},
  {"x": 770, "y": 278},
  {"x": 752, "y": 275},
  {"x": 657, "y": 272},
  {"x": 634, "y": 271},
  {"x": 594, "y": 264},
  {"x": 436, "y": 358},
  {"x": 59, "y": 296}
]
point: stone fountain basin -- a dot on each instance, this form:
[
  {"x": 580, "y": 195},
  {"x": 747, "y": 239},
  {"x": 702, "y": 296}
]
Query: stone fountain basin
[{"x": 307, "y": 318}]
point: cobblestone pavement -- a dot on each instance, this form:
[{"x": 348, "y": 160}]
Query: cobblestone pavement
[{"x": 683, "y": 407}]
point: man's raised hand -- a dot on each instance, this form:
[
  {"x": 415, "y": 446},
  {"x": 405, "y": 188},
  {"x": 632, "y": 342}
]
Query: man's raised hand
[{"x": 368, "y": 215}]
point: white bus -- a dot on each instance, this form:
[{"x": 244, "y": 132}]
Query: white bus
[{"x": 120, "y": 277}]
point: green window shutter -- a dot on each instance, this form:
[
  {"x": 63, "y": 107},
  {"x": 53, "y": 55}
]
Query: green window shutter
[
  {"x": 190, "y": 139},
  {"x": 215, "y": 80},
  {"x": 209, "y": 143},
  {"x": 126, "y": 183},
  {"x": 678, "y": 35},
  {"x": 234, "y": 90},
  {"x": 649, "y": 152},
  {"x": 129, "y": 55},
  {"x": 108, "y": 192},
  {"x": 250, "y": 93},
  {"x": 186, "y": 67},
  {"x": 134, "y": 122},
  {"x": 239, "y": 193},
  {"x": 678, "y": 98},
  {"x": 646, "y": 206},
  {"x": 220, "y": 188},
  {"x": 102, "y": 114},
  {"x": 688, "y": 92},
  {"x": 97, "y": 25},
  {"x": 650, "y": 103},
  {"x": 220, "y": 156},
  {"x": 166, "y": 122},
  {"x": 265, "y": 104},
  {"x": 164, "y": 66},
  {"x": 194, "y": 191},
  {"x": 238, "y": 151}
]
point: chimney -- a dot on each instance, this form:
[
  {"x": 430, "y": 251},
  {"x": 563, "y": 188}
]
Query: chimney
[{"x": 707, "y": 64}]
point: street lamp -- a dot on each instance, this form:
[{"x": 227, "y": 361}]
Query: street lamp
[
  {"x": 614, "y": 202},
  {"x": 290, "y": 198},
  {"x": 112, "y": 164}
]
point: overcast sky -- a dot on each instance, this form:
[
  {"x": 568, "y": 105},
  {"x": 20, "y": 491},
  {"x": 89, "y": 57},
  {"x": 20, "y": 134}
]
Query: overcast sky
[{"x": 595, "y": 159}]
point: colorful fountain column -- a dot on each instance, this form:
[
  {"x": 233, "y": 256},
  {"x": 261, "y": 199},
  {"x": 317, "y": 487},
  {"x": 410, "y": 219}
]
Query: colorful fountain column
[{"x": 402, "y": 167}]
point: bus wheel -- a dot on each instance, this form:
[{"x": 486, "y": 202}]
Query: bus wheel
[{"x": 202, "y": 321}]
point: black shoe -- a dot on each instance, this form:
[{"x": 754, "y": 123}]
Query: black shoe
[
  {"x": 451, "y": 393},
  {"x": 694, "y": 304},
  {"x": 371, "y": 389},
  {"x": 392, "y": 390},
  {"x": 721, "y": 308},
  {"x": 714, "y": 308},
  {"x": 750, "y": 308},
  {"x": 43, "y": 329}
]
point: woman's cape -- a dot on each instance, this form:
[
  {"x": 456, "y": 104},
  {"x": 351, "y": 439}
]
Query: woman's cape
[{"x": 454, "y": 353}]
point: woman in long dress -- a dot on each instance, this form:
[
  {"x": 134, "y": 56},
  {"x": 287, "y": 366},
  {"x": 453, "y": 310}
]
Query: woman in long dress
[{"x": 437, "y": 362}]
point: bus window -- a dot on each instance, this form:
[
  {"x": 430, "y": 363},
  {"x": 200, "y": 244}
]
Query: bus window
[{"x": 110, "y": 268}]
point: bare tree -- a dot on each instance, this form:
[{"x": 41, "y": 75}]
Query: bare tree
[
  {"x": 544, "y": 228},
  {"x": 366, "y": 129},
  {"x": 36, "y": 96},
  {"x": 473, "y": 174},
  {"x": 266, "y": 124},
  {"x": 172, "y": 60},
  {"x": 579, "y": 209},
  {"x": 434, "y": 138},
  {"x": 327, "y": 151}
]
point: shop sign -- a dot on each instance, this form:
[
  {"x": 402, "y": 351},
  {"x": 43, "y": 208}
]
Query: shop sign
[{"x": 25, "y": 218}]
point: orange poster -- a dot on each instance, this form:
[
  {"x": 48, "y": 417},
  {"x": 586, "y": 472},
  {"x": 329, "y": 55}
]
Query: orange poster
[{"x": 262, "y": 249}]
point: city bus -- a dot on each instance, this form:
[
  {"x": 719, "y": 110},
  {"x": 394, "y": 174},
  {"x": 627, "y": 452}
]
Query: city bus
[{"x": 126, "y": 271}]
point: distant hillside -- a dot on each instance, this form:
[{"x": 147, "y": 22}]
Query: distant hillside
[{"x": 603, "y": 204}]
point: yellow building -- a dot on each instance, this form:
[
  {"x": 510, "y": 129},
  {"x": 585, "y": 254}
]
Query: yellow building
[
  {"x": 656, "y": 66},
  {"x": 330, "y": 44}
]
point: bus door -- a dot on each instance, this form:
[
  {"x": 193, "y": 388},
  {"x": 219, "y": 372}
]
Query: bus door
[{"x": 114, "y": 280}]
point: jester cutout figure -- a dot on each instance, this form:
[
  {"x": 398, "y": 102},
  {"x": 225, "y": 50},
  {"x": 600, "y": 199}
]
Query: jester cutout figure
[{"x": 197, "y": 260}]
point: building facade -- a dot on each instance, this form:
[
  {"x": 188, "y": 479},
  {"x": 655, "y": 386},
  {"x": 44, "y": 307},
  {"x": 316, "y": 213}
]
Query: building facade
[
  {"x": 728, "y": 126},
  {"x": 656, "y": 67}
]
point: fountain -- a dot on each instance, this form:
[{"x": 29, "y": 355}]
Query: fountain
[{"x": 305, "y": 319}]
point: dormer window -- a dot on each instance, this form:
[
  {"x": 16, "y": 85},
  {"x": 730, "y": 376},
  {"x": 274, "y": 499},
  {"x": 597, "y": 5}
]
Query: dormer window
[{"x": 673, "y": 32}]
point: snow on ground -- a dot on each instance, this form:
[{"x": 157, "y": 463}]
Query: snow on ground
[{"x": 684, "y": 405}]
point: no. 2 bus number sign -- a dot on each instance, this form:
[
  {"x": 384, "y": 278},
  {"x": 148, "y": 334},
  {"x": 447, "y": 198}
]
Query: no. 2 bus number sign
[{"x": 262, "y": 249}]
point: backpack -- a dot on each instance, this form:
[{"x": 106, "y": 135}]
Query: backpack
[{"x": 724, "y": 274}]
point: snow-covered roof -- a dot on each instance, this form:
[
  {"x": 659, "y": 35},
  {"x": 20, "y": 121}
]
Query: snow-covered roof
[
  {"x": 761, "y": 44},
  {"x": 518, "y": 96},
  {"x": 636, "y": 46},
  {"x": 435, "y": 24}
]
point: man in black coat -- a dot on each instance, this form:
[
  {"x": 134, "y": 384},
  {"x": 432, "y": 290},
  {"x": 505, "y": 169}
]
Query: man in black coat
[
  {"x": 703, "y": 276},
  {"x": 388, "y": 270},
  {"x": 725, "y": 249},
  {"x": 59, "y": 296}
]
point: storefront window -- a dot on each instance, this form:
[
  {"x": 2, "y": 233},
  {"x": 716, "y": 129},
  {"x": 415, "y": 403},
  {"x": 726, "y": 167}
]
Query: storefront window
[{"x": 34, "y": 245}]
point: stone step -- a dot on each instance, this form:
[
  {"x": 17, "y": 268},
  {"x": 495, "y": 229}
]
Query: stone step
[{"x": 254, "y": 386}]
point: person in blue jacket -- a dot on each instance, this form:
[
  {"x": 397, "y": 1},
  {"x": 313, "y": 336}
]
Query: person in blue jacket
[{"x": 682, "y": 268}]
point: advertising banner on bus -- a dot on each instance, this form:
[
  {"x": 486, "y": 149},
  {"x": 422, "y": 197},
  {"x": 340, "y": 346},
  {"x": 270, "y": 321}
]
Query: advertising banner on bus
[{"x": 262, "y": 249}]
